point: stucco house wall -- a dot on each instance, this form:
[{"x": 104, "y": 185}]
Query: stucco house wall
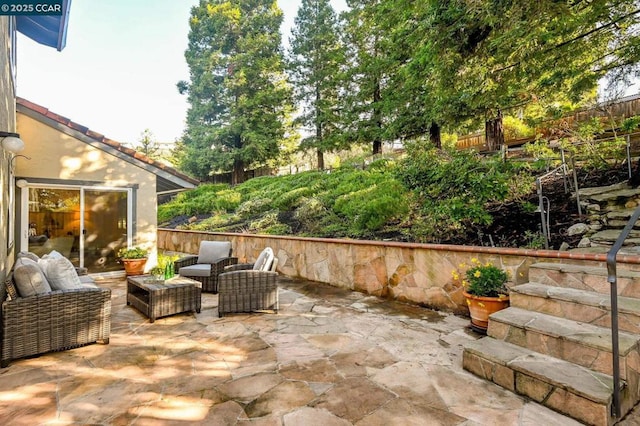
[
  {"x": 57, "y": 157},
  {"x": 7, "y": 124}
]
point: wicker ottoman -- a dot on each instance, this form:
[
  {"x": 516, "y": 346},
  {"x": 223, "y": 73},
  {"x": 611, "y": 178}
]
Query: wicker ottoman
[{"x": 155, "y": 300}]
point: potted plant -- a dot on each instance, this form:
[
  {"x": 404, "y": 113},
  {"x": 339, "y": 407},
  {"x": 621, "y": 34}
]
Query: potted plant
[
  {"x": 484, "y": 287},
  {"x": 157, "y": 274},
  {"x": 134, "y": 259}
]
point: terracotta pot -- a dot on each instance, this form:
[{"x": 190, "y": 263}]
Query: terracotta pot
[
  {"x": 481, "y": 307},
  {"x": 134, "y": 266}
]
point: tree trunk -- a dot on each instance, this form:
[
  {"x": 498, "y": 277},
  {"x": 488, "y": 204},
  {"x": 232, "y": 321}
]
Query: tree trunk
[
  {"x": 494, "y": 136},
  {"x": 434, "y": 135},
  {"x": 377, "y": 147},
  {"x": 319, "y": 136},
  {"x": 237, "y": 176},
  {"x": 320, "y": 159},
  {"x": 377, "y": 118}
]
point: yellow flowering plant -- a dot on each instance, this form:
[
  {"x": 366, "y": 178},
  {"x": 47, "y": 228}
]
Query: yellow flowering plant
[{"x": 485, "y": 280}]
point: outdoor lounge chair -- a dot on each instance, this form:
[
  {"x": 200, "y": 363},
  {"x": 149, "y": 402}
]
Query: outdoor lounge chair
[
  {"x": 211, "y": 260},
  {"x": 249, "y": 287}
]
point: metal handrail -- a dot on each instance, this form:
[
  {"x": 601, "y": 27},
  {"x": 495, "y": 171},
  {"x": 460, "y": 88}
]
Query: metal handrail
[
  {"x": 612, "y": 278},
  {"x": 544, "y": 210}
]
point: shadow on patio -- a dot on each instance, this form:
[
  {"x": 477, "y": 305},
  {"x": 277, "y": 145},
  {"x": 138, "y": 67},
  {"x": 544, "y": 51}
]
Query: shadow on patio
[{"x": 329, "y": 357}]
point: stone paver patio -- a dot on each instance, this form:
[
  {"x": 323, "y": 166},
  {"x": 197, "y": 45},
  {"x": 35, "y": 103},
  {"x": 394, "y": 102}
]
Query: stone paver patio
[{"x": 330, "y": 357}]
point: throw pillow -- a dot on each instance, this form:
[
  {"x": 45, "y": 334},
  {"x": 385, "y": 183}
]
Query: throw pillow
[
  {"x": 264, "y": 260},
  {"x": 211, "y": 251},
  {"x": 28, "y": 255},
  {"x": 60, "y": 273},
  {"x": 29, "y": 278},
  {"x": 53, "y": 255}
]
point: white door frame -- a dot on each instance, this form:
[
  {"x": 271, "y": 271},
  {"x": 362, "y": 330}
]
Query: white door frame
[{"x": 24, "y": 211}]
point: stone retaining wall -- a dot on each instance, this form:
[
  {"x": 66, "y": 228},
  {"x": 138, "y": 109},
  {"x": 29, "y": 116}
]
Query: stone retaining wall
[{"x": 416, "y": 273}]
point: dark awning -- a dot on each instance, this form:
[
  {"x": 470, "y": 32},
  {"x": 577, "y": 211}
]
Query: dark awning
[{"x": 50, "y": 30}]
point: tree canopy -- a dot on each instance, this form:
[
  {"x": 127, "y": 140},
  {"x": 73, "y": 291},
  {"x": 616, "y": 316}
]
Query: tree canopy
[
  {"x": 238, "y": 94},
  {"x": 408, "y": 69},
  {"x": 316, "y": 56}
]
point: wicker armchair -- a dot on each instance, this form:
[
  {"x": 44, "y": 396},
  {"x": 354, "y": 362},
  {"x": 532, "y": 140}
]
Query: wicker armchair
[
  {"x": 205, "y": 267},
  {"x": 55, "y": 321},
  {"x": 248, "y": 287}
]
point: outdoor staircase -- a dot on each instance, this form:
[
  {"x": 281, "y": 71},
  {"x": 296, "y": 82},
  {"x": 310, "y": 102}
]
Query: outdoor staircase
[{"x": 553, "y": 344}]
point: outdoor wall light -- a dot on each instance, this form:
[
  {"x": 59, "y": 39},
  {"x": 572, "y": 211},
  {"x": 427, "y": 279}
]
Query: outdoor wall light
[{"x": 11, "y": 142}]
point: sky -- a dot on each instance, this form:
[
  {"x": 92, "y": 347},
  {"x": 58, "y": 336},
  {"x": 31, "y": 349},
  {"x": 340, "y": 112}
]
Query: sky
[{"x": 117, "y": 74}]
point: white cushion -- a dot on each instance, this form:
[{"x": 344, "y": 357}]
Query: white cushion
[
  {"x": 198, "y": 270},
  {"x": 264, "y": 260},
  {"x": 53, "y": 254},
  {"x": 29, "y": 278},
  {"x": 28, "y": 255},
  {"x": 86, "y": 279},
  {"x": 60, "y": 273},
  {"x": 211, "y": 251}
]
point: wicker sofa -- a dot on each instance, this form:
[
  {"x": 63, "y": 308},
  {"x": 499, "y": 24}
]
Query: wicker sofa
[{"x": 53, "y": 321}]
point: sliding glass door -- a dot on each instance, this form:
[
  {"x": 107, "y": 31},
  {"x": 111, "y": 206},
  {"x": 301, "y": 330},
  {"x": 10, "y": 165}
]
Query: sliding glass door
[{"x": 85, "y": 224}]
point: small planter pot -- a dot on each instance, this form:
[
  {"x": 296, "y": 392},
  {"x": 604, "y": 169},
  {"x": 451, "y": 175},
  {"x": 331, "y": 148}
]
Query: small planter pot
[
  {"x": 481, "y": 307},
  {"x": 134, "y": 266}
]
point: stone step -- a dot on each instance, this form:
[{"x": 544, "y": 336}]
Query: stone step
[
  {"x": 587, "y": 278},
  {"x": 619, "y": 195},
  {"x": 580, "y": 343},
  {"x": 578, "y": 305},
  {"x": 609, "y": 236},
  {"x": 586, "y": 193},
  {"x": 570, "y": 389}
]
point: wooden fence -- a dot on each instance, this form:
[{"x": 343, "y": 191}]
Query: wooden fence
[{"x": 617, "y": 110}]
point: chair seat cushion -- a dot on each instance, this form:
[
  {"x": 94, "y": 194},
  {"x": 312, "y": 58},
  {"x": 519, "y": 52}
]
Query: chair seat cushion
[
  {"x": 210, "y": 251},
  {"x": 197, "y": 270},
  {"x": 29, "y": 278},
  {"x": 87, "y": 281}
]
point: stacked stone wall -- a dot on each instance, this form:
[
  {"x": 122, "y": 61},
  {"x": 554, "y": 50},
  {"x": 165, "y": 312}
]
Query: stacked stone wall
[{"x": 407, "y": 272}]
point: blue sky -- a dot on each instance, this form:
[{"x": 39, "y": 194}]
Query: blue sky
[{"x": 119, "y": 71}]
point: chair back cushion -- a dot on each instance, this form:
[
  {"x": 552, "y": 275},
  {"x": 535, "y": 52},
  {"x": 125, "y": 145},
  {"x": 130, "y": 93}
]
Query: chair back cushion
[
  {"x": 29, "y": 278},
  {"x": 60, "y": 272},
  {"x": 210, "y": 251},
  {"x": 28, "y": 255},
  {"x": 264, "y": 261}
]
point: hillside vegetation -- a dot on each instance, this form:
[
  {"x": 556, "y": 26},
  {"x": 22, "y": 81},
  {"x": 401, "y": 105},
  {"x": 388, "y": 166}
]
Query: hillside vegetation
[{"x": 428, "y": 195}]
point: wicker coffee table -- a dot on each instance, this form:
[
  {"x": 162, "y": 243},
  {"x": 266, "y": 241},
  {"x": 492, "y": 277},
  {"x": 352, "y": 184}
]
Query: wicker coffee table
[{"x": 158, "y": 299}]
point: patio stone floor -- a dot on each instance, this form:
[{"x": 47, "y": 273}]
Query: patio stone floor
[{"x": 329, "y": 357}]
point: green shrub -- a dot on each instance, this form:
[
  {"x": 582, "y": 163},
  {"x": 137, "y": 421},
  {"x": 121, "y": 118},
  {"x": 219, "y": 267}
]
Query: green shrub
[
  {"x": 369, "y": 209},
  {"x": 254, "y": 207},
  {"x": 310, "y": 214},
  {"x": 265, "y": 221},
  {"x": 631, "y": 124},
  {"x": 205, "y": 199},
  {"x": 453, "y": 188},
  {"x": 515, "y": 128}
]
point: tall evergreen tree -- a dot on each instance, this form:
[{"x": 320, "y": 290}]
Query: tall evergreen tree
[
  {"x": 148, "y": 145},
  {"x": 366, "y": 77},
  {"x": 238, "y": 94},
  {"x": 315, "y": 59}
]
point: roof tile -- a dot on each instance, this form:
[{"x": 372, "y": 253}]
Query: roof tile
[{"x": 102, "y": 139}]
